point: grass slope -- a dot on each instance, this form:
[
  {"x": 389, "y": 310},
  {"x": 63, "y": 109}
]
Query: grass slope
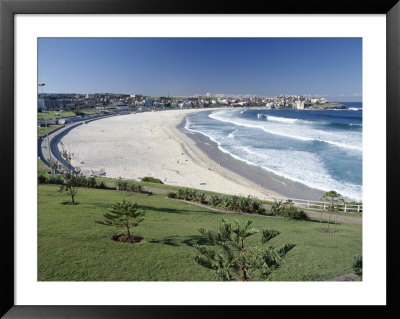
[{"x": 71, "y": 246}]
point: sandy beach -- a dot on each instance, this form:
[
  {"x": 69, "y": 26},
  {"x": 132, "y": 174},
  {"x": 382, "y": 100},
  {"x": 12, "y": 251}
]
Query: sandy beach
[{"x": 150, "y": 144}]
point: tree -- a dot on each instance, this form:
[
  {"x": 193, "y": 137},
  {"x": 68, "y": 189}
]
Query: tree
[
  {"x": 72, "y": 177},
  {"x": 123, "y": 214},
  {"x": 334, "y": 200},
  {"x": 234, "y": 260}
]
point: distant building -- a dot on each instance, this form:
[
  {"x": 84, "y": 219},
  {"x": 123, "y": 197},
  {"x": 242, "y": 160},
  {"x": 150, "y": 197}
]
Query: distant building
[
  {"x": 299, "y": 105},
  {"x": 148, "y": 102},
  {"x": 123, "y": 106},
  {"x": 158, "y": 104}
]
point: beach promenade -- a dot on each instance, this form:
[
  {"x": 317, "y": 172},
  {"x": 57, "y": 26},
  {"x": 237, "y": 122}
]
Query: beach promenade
[{"x": 150, "y": 144}]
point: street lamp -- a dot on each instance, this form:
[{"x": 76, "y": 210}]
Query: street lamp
[{"x": 45, "y": 124}]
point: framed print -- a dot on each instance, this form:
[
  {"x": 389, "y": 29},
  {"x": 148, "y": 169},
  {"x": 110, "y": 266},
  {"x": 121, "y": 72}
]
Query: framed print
[{"x": 198, "y": 155}]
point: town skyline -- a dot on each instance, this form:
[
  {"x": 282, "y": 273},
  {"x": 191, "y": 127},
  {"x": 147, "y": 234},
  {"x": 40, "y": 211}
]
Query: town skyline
[{"x": 215, "y": 67}]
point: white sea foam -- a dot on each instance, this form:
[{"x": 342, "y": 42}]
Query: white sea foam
[
  {"x": 280, "y": 119},
  {"x": 231, "y": 135},
  {"x": 299, "y": 165},
  {"x": 302, "y": 132}
]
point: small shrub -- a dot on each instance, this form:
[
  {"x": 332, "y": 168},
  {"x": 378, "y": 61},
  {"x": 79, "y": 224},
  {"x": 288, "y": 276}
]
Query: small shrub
[
  {"x": 172, "y": 195},
  {"x": 289, "y": 211},
  {"x": 356, "y": 265},
  {"x": 215, "y": 200},
  {"x": 234, "y": 203},
  {"x": 256, "y": 207},
  {"x": 225, "y": 202},
  {"x": 42, "y": 179},
  {"x": 122, "y": 185},
  {"x": 181, "y": 194},
  {"x": 189, "y": 194},
  {"x": 91, "y": 182},
  {"x": 55, "y": 179},
  {"x": 245, "y": 204},
  {"x": 201, "y": 198},
  {"x": 138, "y": 189},
  {"x": 276, "y": 208},
  {"x": 151, "y": 180}
]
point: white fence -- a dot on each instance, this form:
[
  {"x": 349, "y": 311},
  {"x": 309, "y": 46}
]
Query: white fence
[{"x": 311, "y": 204}]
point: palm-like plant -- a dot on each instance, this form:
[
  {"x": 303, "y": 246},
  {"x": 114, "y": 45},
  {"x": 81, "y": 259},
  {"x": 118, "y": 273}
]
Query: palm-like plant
[{"x": 234, "y": 260}]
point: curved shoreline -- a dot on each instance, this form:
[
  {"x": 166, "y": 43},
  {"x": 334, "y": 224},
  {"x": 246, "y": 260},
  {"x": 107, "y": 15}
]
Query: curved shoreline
[
  {"x": 151, "y": 144},
  {"x": 265, "y": 181}
]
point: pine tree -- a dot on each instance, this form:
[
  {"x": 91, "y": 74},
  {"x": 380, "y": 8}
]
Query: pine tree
[
  {"x": 334, "y": 200},
  {"x": 234, "y": 260},
  {"x": 123, "y": 214}
]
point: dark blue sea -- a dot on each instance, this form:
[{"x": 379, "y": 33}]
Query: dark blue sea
[{"x": 321, "y": 149}]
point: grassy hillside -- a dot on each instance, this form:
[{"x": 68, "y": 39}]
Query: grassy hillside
[{"x": 71, "y": 246}]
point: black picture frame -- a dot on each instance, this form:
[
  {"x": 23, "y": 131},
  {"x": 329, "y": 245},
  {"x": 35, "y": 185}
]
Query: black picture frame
[{"x": 8, "y": 8}]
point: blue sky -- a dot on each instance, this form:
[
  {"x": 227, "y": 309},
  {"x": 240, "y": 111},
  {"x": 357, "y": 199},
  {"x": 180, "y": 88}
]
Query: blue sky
[{"x": 326, "y": 67}]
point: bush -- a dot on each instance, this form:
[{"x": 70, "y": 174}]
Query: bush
[
  {"x": 235, "y": 203},
  {"x": 137, "y": 188},
  {"x": 215, "y": 200},
  {"x": 151, "y": 180},
  {"x": 356, "y": 265},
  {"x": 225, "y": 202},
  {"x": 90, "y": 182},
  {"x": 292, "y": 212},
  {"x": 187, "y": 194},
  {"x": 276, "y": 208},
  {"x": 42, "y": 179},
  {"x": 56, "y": 179},
  {"x": 245, "y": 204},
  {"x": 122, "y": 185},
  {"x": 201, "y": 198},
  {"x": 172, "y": 195},
  {"x": 256, "y": 207}
]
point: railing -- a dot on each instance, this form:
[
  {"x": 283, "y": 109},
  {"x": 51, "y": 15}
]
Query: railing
[{"x": 318, "y": 205}]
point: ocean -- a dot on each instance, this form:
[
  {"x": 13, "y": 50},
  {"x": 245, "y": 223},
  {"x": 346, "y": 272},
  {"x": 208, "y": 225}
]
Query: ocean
[{"x": 320, "y": 149}]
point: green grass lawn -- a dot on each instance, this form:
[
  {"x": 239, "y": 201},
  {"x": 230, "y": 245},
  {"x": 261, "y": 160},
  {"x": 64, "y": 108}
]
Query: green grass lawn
[
  {"x": 41, "y": 131},
  {"x": 71, "y": 246},
  {"x": 53, "y": 114}
]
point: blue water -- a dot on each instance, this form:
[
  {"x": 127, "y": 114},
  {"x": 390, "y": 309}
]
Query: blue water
[{"x": 321, "y": 149}]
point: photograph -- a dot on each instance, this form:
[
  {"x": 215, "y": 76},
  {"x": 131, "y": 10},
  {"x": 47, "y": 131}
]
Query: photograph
[
  {"x": 173, "y": 159},
  {"x": 200, "y": 159}
]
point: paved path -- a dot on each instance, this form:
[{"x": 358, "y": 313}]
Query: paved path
[
  {"x": 48, "y": 147},
  {"x": 340, "y": 218}
]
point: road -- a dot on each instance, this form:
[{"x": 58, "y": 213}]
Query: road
[{"x": 48, "y": 146}]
